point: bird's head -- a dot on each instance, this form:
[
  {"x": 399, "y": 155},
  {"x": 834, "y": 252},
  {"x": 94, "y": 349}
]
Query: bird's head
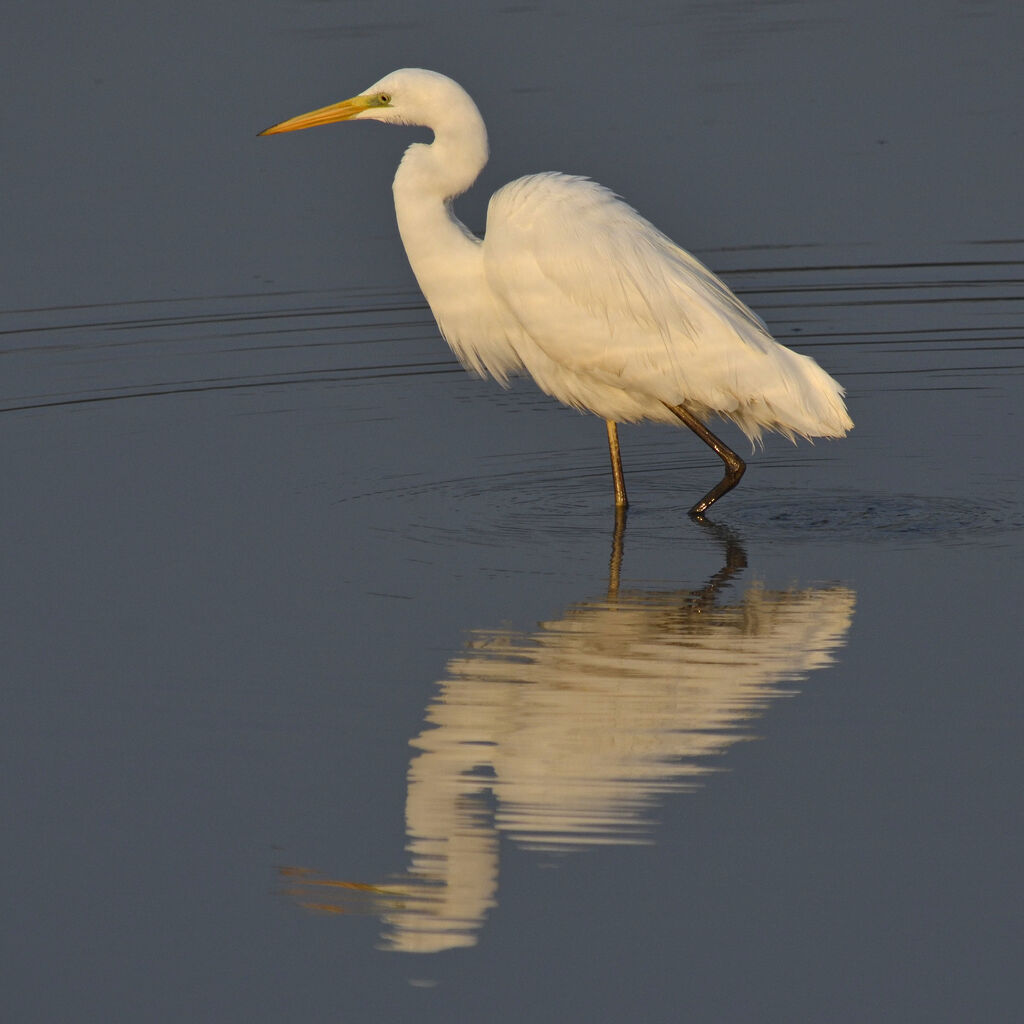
[{"x": 409, "y": 96}]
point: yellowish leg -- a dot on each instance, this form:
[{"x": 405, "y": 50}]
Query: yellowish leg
[{"x": 613, "y": 450}]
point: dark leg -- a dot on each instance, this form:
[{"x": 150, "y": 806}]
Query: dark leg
[
  {"x": 734, "y": 465},
  {"x": 613, "y": 449}
]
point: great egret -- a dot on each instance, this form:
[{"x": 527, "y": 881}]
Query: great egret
[{"x": 573, "y": 286}]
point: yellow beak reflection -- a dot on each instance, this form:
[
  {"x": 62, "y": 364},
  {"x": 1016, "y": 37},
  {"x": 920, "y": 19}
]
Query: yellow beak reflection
[{"x": 342, "y": 111}]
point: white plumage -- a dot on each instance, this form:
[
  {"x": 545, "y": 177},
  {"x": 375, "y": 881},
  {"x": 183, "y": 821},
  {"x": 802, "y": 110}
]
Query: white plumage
[{"x": 571, "y": 285}]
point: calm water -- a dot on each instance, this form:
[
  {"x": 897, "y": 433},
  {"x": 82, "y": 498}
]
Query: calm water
[{"x": 332, "y": 688}]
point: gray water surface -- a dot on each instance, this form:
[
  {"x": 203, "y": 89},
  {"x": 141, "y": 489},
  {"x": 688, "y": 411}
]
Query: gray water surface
[{"x": 332, "y": 688}]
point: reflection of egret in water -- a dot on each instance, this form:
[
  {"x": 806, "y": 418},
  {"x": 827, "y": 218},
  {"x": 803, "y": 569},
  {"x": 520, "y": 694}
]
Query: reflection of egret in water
[{"x": 566, "y": 736}]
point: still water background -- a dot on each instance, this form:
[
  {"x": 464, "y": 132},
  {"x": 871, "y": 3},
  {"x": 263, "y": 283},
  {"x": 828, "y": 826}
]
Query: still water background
[{"x": 331, "y": 691}]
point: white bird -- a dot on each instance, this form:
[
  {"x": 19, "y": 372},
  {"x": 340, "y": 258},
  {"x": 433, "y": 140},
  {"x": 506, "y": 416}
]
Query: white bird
[{"x": 574, "y": 287}]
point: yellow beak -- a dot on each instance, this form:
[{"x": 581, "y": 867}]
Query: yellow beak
[{"x": 343, "y": 111}]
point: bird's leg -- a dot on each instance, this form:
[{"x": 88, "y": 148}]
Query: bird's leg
[
  {"x": 734, "y": 465},
  {"x": 613, "y": 450},
  {"x": 615, "y": 563}
]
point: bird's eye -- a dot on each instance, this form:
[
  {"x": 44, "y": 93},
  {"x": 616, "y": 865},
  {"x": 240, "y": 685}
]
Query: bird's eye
[{"x": 385, "y": 97}]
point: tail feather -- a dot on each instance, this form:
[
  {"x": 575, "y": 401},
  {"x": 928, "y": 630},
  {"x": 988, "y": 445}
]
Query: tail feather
[{"x": 802, "y": 401}]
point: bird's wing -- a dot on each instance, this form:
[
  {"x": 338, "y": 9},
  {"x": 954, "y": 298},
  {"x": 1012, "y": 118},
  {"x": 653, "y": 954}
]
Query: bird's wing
[
  {"x": 604, "y": 257},
  {"x": 605, "y": 295}
]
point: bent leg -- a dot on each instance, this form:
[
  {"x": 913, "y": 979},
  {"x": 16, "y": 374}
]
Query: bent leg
[{"x": 734, "y": 465}]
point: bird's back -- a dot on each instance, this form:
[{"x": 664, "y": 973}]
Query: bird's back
[{"x": 617, "y": 319}]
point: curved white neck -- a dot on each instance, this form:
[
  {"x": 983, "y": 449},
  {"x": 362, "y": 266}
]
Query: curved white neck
[
  {"x": 447, "y": 166},
  {"x": 445, "y": 256},
  {"x": 430, "y": 176},
  {"x": 443, "y": 253}
]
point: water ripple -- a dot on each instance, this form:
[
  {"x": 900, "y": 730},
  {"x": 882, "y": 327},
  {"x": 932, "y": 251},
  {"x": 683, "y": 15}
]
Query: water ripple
[{"x": 893, "y": 326}]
